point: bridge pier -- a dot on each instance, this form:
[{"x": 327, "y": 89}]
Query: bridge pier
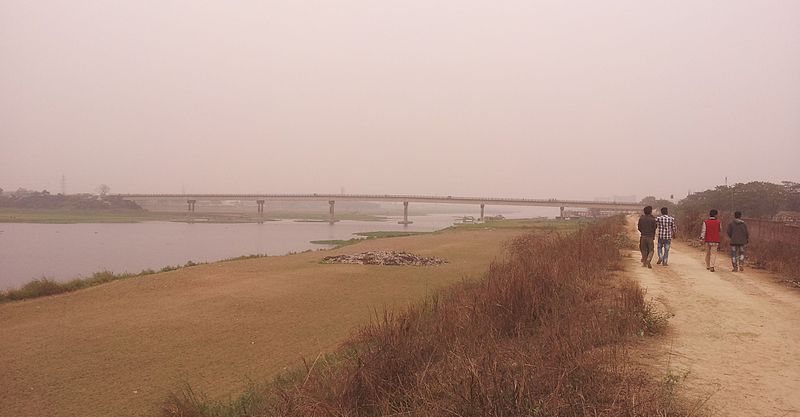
[
  {"x": 405, "y": 214},
  {"x": 190, "y": 205},
  {"x": 260, "y": 207},
  {"x": 482, "y": 205},
  {"x": 332, "y": 219}
]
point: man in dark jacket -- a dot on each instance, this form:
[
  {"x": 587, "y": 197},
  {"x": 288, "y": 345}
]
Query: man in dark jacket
[
  {"x": 737, "y": 232},
  {"x": 647, "y": 227}
]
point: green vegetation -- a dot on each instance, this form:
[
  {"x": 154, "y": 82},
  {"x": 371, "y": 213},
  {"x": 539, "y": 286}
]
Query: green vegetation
[
  {"x": 522, "y": 224},
  {"x": 43, "y": 200},
  {"x": 338, "y": 243},
  {"x": 45, "y": 286},
  {"x": 542, "y": 334},
  {"x": 530, "y": 224},
  {"x": 384, "y": 234},
  {"x": 15, "y": 215},
  {"x": 244, "y": 257}
]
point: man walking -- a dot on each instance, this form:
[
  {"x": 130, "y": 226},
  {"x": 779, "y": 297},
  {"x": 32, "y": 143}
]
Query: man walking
[
  {"x": 647, "y": 227},
  {"x": 737, "y": 232},
  {"x": 666, "y": 231},
  {"x": 710, "y": 234}
]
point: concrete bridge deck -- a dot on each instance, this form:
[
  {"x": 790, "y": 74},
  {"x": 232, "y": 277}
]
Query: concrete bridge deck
[
  {"x": 398, "y": 198},
  {"x": 261, "y": 199}
]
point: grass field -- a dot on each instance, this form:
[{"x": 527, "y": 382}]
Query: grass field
[
  {"x": 338, "y": 243},
  {"x": 121, "y": 347}
]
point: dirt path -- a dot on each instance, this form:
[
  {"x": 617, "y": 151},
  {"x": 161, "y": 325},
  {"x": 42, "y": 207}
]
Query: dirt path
[{"x": 734, "y": 335}]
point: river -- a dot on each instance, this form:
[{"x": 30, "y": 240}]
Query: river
[{"x": 66, "y": 251}]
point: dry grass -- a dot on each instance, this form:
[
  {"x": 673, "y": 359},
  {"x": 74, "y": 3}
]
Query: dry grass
[
  {"x": 543, "y": 334},
  {"x": 779, "y": 257},
  {"x": 119, "y": 348}
]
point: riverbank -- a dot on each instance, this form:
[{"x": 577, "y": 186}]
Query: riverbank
[
  {"x": 121, "y": 347},
  {"x": 43, "y": 287}
]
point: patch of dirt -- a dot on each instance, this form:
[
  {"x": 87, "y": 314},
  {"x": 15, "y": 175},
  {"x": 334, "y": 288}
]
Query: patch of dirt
[{"x": 383, "y": 258}]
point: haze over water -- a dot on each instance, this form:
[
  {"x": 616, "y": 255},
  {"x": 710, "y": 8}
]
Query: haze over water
[
  {"x": 66, "y": 251},
  {"x": 571, "y": 100}
]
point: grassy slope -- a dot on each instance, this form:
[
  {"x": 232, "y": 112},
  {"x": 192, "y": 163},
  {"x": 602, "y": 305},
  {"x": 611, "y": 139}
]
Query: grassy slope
[{"x": 119, "y": 348}]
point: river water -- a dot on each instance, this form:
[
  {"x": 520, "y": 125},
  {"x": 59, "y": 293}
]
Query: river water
[{"x": 66, "y": 251}]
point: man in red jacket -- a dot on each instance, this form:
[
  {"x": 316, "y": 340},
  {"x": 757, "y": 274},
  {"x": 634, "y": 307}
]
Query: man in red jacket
[{"x": 710, "y": 234}]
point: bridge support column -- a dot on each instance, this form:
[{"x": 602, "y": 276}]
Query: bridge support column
[
  {"x": 482, "y": 205},
  {"x": 405, "y": 214},
  {"x": 190, "y": 205},
  {"x": 332, "y": 219},
  {"x": 561, "y": 210},
  {"x": 260, "y": 207}
]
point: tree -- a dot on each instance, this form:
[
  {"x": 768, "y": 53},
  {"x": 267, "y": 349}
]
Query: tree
[
  {"x": 792, "y": 195},
  {"x": 103, "y": 189},
  {"x": 657, "y": 203},
  {"x": 755, "y": 199}
]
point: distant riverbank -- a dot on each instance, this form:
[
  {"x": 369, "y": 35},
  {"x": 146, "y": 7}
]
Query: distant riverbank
[{"x": 61, "y": 216}]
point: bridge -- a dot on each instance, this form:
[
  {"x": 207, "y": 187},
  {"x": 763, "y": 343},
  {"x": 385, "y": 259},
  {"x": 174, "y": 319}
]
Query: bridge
[{"x": 262, "y": 199}]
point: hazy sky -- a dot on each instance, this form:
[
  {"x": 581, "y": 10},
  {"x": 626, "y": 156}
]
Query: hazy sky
[{"x": 542, "y": 99}]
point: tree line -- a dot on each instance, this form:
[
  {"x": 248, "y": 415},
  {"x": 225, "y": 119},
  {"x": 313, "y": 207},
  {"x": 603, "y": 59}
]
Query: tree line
[
  {"x": 28, "y": 199},
  {"x": 756, "y": 199}
]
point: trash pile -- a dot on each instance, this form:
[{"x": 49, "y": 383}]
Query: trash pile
[{"x": 383, "y": 258}]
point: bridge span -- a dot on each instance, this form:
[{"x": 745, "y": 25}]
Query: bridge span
[{"x": 262, "y": 199}]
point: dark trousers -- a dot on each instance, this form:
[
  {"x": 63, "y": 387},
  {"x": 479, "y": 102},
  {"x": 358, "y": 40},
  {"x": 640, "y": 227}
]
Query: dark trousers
[
  {"x": 737, "y": 255},
  {"x": 647, "y": 247}
]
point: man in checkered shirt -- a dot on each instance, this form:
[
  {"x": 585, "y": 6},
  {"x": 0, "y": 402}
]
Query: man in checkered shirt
[{"x": 666, "y": 231}]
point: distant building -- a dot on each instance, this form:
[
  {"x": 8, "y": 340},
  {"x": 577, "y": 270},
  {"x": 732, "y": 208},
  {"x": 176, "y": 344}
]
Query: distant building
[
  {"x": 787, "y": 217},
  {"x": 619, "y": 198},
  {"x": 576, "y": 214},
  {"x": 625, "y": 198}
]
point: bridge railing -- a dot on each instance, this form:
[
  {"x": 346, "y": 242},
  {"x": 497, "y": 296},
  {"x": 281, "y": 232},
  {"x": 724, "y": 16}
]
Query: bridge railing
[{"x": 396, "y": 197}]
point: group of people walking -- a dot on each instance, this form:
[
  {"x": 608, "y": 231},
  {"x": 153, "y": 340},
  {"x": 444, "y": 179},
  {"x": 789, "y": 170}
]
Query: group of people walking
[{"x": 665, "y": 227}]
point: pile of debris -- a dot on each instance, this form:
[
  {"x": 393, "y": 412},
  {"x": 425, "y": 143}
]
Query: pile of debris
[{"x": 383, "y": 258}]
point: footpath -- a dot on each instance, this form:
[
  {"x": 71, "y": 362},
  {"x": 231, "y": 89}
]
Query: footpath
[{"x": 734, "y": 337}]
